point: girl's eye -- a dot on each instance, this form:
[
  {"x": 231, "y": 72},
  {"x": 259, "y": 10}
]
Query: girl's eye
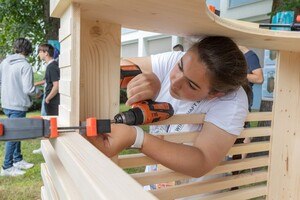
[
  {"x": 180, "y": 67},
  {"x": 192, "y": 86}
]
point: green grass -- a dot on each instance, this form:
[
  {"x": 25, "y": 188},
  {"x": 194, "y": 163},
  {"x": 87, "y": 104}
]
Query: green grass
[{"x": 29, "y": 185}]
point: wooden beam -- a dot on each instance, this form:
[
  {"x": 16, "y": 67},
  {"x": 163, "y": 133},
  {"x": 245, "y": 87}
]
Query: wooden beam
[
  {"x": 99, "y": 69},
  {"x": 285, "y": 153}
]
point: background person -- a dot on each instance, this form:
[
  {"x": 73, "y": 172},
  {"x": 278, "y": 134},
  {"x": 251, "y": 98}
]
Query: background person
[{"x": 17, "y": 88}]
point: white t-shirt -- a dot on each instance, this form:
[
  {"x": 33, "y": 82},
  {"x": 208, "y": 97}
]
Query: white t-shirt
[{"x": 228, "y": 112}]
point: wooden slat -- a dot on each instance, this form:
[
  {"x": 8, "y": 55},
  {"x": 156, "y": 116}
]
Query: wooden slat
[
  {"x": 64, "y": 115},
  {"x": 245, "y": 193},
  {"x": 94, "y": 173},
  {"x": 65, "y": 187},
  {"x": 49, "y": 187},
  {"x": 65, "y": 87},
  {"x": 66, "y": 23},
  {"x": 199, "y": 118},
  {"x": 189, "y": 137},
  {"x": 256, "y": 132},
  {"x": 249, "y": 148},
  {"x": 136, "y": 160},
  {"x": 190, "y": 189},
  {"x": 65, "y": 60},
  {"x": 44, "y": 194},
  {"x": 58, "y": 7},
  {"x": 226, "y": 166}
]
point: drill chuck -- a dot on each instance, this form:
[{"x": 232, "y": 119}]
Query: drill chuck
[{"x": 134, "y": 116}]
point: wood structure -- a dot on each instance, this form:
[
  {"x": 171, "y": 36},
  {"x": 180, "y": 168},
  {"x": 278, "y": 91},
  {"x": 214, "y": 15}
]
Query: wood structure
[{"x": 89, "y": 63}]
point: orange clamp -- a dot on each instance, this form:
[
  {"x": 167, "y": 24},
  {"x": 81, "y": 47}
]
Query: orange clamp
[
  {"x": 1, "y": 129},
  {"x": 212, "y": 8},
  {"x": 53, "y": 128},
  {"x": 91, "y": 127}
]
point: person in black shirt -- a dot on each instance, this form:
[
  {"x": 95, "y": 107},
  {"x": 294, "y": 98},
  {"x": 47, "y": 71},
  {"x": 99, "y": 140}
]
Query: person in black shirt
[{"x": 52, "y": 76}]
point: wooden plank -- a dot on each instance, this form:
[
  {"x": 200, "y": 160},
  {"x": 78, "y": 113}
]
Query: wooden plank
[
  {"x": 65, "y": 58},
  {"x": 226, "y": 166},
  {"x": 49, "y": 187},
  {"x": 62, "y": 181},
  {"x": 64, "y": 117},
  {"x": 95, "y": 174},
  {"x": 189, "y": 137},
  {"x": 249, "y": 148},
  {"x": 256, "y": 132},
  {"x": 136, "y": 160},
  {"x": 65, "y": 87},
  {"x": 245, "y": 193},
  {"x": 66, "y": 23},
  {"x": 99, "y": 69},
  {"x": 58, "y": 7},
  {"x": 259, "y": 116},
  {"x": 65, "y": 72},
  {"x": 199, "y": 118},
  {"x": 65, "y": 101},
  {"x": 43, "y": 193},
  {"x": 211, "y": 185},
  {"x": 285, "y": 154}
]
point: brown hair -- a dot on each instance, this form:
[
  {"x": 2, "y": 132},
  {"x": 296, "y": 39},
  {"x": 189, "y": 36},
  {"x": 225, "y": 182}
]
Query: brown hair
[
  {"x": 47, "y": 48},
  {"x": 225, "y": 62}
]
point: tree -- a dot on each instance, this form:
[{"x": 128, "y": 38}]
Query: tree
[{"x": 25, "y": 18}]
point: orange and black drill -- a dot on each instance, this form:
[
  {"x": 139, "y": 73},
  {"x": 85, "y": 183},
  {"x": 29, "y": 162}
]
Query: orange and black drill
[{"x": 143, "y": 112}]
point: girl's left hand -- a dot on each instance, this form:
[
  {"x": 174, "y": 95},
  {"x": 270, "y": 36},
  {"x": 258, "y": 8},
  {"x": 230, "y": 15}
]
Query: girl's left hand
[{"x": 120, "y": 137}]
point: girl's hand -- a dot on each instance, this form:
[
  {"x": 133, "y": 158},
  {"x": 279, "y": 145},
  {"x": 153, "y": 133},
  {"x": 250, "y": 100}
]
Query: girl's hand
[
  {"x": 121, "y": 137},
  {"x": 142, "y": 87}
]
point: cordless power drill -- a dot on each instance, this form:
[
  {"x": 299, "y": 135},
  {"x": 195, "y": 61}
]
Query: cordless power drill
[{"x": 143, "y": 112}]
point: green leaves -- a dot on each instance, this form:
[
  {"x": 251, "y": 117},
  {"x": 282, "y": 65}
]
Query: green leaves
[{"x": 21, "y": 18}]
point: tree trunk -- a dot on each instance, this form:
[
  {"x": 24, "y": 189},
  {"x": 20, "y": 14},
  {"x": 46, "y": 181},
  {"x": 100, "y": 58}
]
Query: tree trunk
[{"x": 52, "y": 24}]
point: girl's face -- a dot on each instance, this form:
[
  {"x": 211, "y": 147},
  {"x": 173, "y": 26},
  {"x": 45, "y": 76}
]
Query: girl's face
[{"x": 189, "y": 79}]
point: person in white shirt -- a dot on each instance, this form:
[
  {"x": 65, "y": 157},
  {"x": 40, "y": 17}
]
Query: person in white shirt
[{"x": 208, "y": 79}]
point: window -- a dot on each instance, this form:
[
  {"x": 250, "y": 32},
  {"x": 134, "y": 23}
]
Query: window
[{"x": 237, "y": 3}]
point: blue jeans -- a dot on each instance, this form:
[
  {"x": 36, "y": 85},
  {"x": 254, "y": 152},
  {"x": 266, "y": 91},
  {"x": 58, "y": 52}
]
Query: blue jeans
[{"x": 12, "y": 148}]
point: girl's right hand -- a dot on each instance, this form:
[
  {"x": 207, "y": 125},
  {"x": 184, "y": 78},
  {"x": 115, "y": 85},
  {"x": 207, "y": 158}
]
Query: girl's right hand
[{"x": 142, "y": 87}]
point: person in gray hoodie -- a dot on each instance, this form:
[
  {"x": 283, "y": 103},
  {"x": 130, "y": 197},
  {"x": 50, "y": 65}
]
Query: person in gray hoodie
[{"x": 17, "y": 89}]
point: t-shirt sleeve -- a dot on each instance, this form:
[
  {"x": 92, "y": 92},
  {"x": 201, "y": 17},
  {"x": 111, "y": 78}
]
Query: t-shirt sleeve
[
  {"x": 163, "y": 63},
  {"x": 54, "y": 74},
  {"x": 252, "y": 62},
  {"x": 229, "y": 114}
]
